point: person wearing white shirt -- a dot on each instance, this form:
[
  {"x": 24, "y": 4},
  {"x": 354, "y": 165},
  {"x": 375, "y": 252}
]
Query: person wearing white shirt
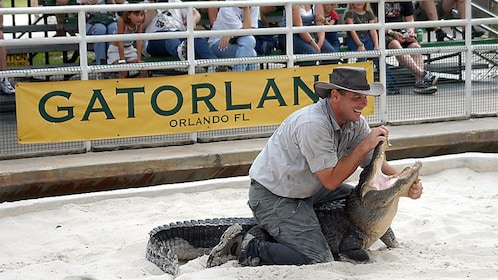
[
  {"x": 173, "y": 20},
  {"x": 230, "y": 18}
]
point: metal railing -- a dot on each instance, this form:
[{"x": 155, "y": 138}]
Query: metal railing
[{"x": 468, "y": 90}]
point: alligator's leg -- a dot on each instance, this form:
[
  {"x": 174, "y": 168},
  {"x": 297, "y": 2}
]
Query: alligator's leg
[
  {"x": 351, "y": 246},
  {"x": 389, "y": 239}
]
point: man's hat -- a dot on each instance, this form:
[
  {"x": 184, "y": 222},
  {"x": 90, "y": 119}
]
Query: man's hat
[{"x": 351, "y": 79}]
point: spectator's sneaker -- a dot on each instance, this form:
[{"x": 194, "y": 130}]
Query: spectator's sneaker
[
  {"x": 441, "y": 35},
  {"x": 229, "y": 247},
  {"x": 430, "y": 78},
  {"x": 181, "y": 50},
  {"x": 424, "y": 87},
  {"x": 476, "y": 33},
  {"x": 393, "y": 91},
  {"x": 6, "y": 87}
]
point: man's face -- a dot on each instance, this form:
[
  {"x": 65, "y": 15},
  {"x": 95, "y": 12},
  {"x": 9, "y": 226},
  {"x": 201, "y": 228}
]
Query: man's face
[{"x": 349, "y": 105}]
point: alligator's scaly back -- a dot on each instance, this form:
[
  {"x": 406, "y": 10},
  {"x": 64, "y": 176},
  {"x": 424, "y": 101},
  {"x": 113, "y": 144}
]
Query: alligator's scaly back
[
  {"x": 182, "y": 241},
  {"x": 350, "y": 225}
]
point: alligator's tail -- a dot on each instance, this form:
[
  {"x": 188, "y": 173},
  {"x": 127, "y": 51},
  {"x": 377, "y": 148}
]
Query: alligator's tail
[{"x": 182, "y": 241}]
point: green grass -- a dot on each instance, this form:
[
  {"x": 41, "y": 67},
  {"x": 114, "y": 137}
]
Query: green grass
[
  {"x": 17, "y": 3},
  {"x": 55, "y": 58}
]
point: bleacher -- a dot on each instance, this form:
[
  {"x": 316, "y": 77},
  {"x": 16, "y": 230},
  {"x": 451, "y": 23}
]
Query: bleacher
[{"x": 71, "y": 51}]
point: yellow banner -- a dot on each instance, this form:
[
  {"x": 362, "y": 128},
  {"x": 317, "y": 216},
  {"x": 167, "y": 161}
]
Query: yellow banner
[{"x": 104, "y": 109}]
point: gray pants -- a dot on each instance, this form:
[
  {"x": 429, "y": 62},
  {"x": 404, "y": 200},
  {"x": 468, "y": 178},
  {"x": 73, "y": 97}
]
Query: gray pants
[{"x": 293, "y": 224}]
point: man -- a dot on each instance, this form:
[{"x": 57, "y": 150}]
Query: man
[
  {"x": 305, "y": 163},
  {"x": 398, "y": 39},
  {"x": 5, "y": 86}
]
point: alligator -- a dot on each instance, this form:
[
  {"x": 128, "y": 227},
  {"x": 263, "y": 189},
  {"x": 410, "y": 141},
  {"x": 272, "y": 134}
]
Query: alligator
[{"x": 350, "y": 225}]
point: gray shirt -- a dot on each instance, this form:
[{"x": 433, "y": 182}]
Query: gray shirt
[{"x": 307, "y": 141}]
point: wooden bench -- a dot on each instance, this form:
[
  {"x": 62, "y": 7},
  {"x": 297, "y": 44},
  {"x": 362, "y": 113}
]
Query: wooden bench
[
  {"x": 25, "y": 54},
  {"x": 41, "y": 26}
]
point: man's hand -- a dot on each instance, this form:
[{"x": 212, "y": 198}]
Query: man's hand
[
  {"x": 375, "y": 136},
  {"x": 416, "y": 190}
]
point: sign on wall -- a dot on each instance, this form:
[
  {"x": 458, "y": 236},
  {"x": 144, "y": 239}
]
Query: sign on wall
[
  {"x": 104, "y": 109},
  {"x": 20, "y": 59}
]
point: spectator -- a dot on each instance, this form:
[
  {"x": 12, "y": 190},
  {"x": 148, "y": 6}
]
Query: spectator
[
  {"x": 265, "y": 44},
  {"x": 123, "y": 51},
  {"x": 227, "y": 46},
  {"x": 362, "y": 40},
  {"x": 5, "y": 85},
  {"x": 61, "y": 19},
  {"x": 264, "y": 11},
  {"x": 397, "y": 39},
  {"x": 306, "y": 42},
  {"x": 430, "y": 10},
  {"x": 212, "y": 13},
  {"x": 100, "y": 24},
  {"x": 173, "y": 20},
  {"x": 444, "y": 9},
  {"x": 331, "y": 18}
]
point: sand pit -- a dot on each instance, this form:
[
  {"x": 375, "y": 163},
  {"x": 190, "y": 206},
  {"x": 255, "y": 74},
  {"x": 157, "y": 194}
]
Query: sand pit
[{"x": 451, "y": 232}]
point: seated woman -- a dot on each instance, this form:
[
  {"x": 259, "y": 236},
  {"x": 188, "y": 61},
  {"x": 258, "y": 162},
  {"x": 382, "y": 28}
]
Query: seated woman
[
  {"x": 229, "y": 18},
  {"x": 173, "y": 20},
  {"x": 306, "y": 42}
]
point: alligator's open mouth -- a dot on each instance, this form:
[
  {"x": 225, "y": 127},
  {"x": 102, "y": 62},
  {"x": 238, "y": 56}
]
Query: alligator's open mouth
[{"x": 373, "y": 179}]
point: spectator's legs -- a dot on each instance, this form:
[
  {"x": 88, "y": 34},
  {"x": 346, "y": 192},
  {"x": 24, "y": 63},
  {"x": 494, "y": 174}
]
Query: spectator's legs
[
  {"x": 202, "y": 50},
  {"x": 413, "y": 63},
  {"x": 61, "y": 18},
  {"x": 100, "y": 48},
  {"x": 431, "y": 11},
  {"x": 418, "y": 62},
  {"x": 300, "y": 47},
  {"x": 447, "y": 6},
  {"x": 243, "y": 48},
  {"x": 328, "y": 48},
  {"x": 246, "y": 45},
  {"x": 333, "y": 39},
  {"x": 164, "y": 47}
]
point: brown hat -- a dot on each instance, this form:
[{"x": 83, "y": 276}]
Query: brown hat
[{"x": 349, "y": 78}]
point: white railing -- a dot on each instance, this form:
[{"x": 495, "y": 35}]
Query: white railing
[{"x": 290, "y": 59}]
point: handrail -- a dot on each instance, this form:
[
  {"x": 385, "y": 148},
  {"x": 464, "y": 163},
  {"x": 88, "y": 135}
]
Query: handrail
[
  {"x": 488, "y": 13},
  {"x": 82, "y": 39}
]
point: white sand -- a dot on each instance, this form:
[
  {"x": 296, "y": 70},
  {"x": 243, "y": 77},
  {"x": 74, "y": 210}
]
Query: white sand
[{"x": 451, "y": 232}]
